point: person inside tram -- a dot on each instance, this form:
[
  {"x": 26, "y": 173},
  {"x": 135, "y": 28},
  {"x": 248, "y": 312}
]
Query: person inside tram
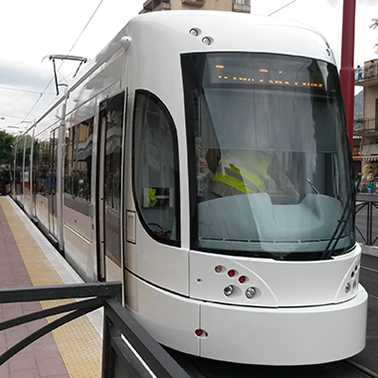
[{"x": 246, "y": 172}]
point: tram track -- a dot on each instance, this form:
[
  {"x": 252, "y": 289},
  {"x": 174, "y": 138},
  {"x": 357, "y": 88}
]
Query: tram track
[
  {"x": 363, "y": 369},
  {"x": 369, "y": 269},
  {"x": 203, "y": 368}
]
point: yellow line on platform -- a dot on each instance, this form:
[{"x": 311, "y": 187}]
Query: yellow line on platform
[{"x": 78, "y": 341}]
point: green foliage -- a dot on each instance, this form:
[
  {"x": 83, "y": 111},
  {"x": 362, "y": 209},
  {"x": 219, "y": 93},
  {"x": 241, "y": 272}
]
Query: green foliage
[
  {"x": 374, "y": 25},
  {"x": 6, "y": 147}
]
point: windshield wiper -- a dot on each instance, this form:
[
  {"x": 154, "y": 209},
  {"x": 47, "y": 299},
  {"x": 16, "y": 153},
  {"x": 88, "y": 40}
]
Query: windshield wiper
[{"x": 342, "y": 222}]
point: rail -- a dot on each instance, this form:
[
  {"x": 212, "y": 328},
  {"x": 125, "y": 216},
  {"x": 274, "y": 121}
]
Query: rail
[{"x": 128, "y": 349}]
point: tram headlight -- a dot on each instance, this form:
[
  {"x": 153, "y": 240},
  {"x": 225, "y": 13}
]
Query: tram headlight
[
  {"x": 347, "y": 287},
  {"x": 207, "y": 41},
  {"x": 218, "y": 268},
  {"x": 250, "y": 292},
  {"x": 228, "y": 290},
  {"x": 194, "y": 32}
]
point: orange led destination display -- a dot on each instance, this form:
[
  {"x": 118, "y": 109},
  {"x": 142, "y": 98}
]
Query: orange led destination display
[{"x": 263, "y": 76}]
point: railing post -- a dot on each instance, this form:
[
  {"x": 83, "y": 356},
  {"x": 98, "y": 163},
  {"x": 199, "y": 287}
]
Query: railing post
[{"x": 107, "y": 351}]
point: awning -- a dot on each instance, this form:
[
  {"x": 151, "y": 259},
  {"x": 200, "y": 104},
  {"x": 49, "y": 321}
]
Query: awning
[{"x": 369, "y": 158}]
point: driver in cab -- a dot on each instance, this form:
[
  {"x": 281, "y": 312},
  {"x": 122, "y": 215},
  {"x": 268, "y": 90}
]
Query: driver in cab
[{"x": 246, "y": 172}]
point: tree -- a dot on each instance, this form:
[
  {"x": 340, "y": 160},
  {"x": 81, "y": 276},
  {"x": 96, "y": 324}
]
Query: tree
[
  {"x": 6, "y": 147},
  {"x": 374, "y": 25}
]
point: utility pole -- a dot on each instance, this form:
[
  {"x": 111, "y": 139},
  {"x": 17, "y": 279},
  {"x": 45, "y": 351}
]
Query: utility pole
[{"x": 347, "y": 69}]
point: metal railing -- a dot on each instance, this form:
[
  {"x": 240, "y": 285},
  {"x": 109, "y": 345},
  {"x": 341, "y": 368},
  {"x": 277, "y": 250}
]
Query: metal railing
[
  {"x": 367, "y": 73},
  {"x": 128, "y": 349},
  {"x": 365, "y": 125},
  {"x": 368, "y": 203}
]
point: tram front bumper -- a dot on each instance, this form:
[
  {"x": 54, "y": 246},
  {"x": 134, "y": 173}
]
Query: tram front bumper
[{"x": 284, "y": 336}]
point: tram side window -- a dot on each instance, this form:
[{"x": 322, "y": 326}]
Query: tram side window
[
  {"x": 44, "y": 164},
  {"x": 26, "y": 177},
  {"x": 83, "y": 160},
  {"x": 19, "y": 166},
  {"x": 155, "y": 168},
  {"x": 78, "y": 163},
  {"x": 68, "y": 164},
  {"x": 35, "y": 166}
]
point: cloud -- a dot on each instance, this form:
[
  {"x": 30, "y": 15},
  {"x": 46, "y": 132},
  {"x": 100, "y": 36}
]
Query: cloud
[
  {"x": 17, "y": 74},
  {"x": 21, "y": 86},
  {"x": 334, "y": 3}
]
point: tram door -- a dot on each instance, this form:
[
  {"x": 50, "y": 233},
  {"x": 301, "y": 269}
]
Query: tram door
[
  {"x": 51, "y": 183},
  {"x": 109, "y": 188}
]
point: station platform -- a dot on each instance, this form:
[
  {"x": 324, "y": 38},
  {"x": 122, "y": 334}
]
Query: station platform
[{"x": 28, "y": 259}]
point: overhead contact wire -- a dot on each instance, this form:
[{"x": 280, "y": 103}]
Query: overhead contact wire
[{"x": 73, "y": 46}]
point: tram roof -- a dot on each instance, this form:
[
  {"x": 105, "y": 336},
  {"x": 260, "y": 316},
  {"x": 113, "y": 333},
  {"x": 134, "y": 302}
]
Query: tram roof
[
  {"x": 230, "y": 31},
  {"x": 169, "y": 32}
]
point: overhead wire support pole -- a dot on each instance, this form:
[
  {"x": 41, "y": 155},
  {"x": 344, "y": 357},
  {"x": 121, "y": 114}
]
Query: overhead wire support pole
[{"x": 347, "y": 69}]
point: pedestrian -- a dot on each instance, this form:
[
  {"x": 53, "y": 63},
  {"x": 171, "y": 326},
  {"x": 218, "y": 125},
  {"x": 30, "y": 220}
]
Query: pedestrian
[
  {"x": 359, "y": 73},
  {"x": 6, "y": 181},
  {"x": 2, "y": 185}
]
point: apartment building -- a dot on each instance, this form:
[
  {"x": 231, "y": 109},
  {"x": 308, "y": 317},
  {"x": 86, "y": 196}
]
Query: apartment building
[
  {"x": 243, "y": 6},
  {"x": 366, "y": 129}
]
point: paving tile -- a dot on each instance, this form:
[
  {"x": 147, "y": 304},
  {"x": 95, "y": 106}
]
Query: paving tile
[
  {"x": 10, "y": 285},
  {"x": 46, "y": 339},
  {"x": 12, "y": 306},
  {"x": 22, "y": 361},
  {"x": 31, "y": 373},
  {"x": 10, "y": 313},
  {"x": 50, "y": 367},
  {"x": 29, "y": 307},
  {"x": 15, "y": 334},
  {"x": 4, "y": 371},
  {"x": 45, "y": 350},
  {"x": 36, "y": 324},
  {"x": 2, "y": 340}
]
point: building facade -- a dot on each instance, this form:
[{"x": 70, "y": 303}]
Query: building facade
[
  {"x": 243, "y": 6},
  {"x": 366, "y": 129}
]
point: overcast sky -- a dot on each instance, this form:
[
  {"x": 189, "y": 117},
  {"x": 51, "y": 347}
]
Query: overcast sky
[{"x": 32, "y": 29}]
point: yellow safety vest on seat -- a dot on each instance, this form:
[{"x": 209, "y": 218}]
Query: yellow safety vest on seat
[{"x": 242, "y": 172}]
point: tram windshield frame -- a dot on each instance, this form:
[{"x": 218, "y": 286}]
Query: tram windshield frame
[{"x": 270, "y": 173}]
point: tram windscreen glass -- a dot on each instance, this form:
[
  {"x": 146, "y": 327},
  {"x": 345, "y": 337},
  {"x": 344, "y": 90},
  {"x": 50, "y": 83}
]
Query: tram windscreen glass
[{"x": 269, "y": 168}]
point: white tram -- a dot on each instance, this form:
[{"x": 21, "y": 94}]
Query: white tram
[{"x": 144, "y": 171}]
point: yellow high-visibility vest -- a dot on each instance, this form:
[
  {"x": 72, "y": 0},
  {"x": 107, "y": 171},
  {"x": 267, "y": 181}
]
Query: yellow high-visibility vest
[{"x": 242, "y": 172}]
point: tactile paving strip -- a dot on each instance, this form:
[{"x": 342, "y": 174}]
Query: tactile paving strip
[{"x": 78, "y": 341}]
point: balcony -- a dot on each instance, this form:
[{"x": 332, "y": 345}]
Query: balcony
[
  {"x": 242, "y": 6},
  {"x": 196, "y": 3},
  {"x": 368, "y": 75},
  {"x": 369, "y": 150},
  {"x": 366, "y": 127},
  {"x": 155, "y": 6}
]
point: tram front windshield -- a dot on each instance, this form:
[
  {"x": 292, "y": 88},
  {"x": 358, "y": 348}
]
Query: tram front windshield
[{"x": 270, "y": 175}]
